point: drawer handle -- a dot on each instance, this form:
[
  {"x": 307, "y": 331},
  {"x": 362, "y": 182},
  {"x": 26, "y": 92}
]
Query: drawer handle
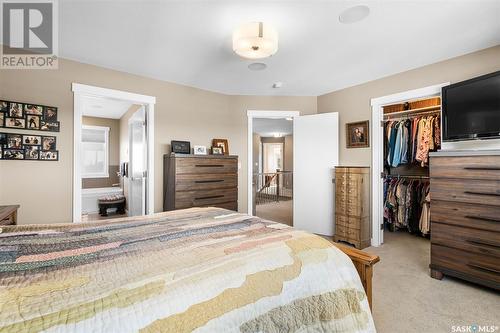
[
  {"x": 210, "y": 197},
  {"x": 482, "y": 193},
  {"x": 485, "y": 269},
  {"x": 483, "y": 243},
  {"x": 209, "y": 165},
  {"x": 208, "y": 181},
  {"x": 482, "y": 168},
  {"x": 483, "y": 218}
]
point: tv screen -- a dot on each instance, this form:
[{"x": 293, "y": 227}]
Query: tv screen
[{"x": 471, "y": 109}]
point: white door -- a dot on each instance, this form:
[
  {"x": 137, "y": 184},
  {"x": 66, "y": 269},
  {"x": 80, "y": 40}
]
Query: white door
[
  {"x": 316, "y": 153},
  {"x": 137, "y": 163}
]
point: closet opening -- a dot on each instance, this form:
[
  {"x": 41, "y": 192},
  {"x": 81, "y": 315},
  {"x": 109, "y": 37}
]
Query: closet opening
[{"x": 406, "y": 127}]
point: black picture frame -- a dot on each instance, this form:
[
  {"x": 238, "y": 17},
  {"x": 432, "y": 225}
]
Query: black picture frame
[
  {"x": 9, "y": 151},
  {"x": 28, "y": 144},
  {"x": 47, "y": 116},
  {"x": 48, "y": 137},
  {"x": 42, "y": 152}
]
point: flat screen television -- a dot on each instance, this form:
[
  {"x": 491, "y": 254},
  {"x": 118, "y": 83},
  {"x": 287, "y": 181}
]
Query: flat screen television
[{"x": 471, "y": 109}]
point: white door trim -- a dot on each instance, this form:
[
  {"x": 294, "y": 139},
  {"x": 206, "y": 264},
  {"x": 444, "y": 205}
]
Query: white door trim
[
  {"x": 377, "y": 139},
  {"x": 268, "y": 114},
  {"x": 82, "y": 90}
]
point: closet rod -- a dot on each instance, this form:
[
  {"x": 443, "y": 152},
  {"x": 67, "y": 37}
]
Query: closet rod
[
  {"x": 405, "y": 176},
  {"x": 428, "y": 109}
]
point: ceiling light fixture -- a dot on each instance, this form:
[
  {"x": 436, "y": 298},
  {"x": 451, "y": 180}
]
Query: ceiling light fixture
[
  {"x": 354, "y": 14},
  {"x": 255, "y": 40},
  {"x": 257, "y": 66},
  {"x": 277, "y": 135}
]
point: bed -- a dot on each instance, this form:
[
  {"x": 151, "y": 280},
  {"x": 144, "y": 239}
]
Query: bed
[{"x": 200, "y": 269}]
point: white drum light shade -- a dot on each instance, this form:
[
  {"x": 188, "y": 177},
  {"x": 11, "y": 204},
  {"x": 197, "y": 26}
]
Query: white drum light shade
[{"x": 255, "y": 40}]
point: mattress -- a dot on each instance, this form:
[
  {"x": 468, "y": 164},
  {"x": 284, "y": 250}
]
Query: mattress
[{"x": 194, "y": 270}]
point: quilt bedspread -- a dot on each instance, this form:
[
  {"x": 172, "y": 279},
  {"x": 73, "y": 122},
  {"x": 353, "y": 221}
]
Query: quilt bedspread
[{"x": 200, "y": 269}]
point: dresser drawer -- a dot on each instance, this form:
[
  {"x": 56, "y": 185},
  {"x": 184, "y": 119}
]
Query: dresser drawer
[
  {"x": 227, "y": 205},
  {"x": 188, "y": 199},
  {"x": 467, "y": 167},
  {"x": 190, "y": 182},
  {"x": 195, "y": 165},
  {"x": 464, "y": 190},
  {"x": 347, "y": 232},
  {"x": 470, "y": 266},
  {"x": 467, "y": 239},
  {"x": 467, "y": 215}
]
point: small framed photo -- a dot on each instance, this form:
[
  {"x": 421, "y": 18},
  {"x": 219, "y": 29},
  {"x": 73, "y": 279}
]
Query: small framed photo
[
  {"x": 13, "y": 154},
  {"x": 34, "y": 140},
  {"x": 31, "y": 152},
  {"x": 357, "y": 135},
  {"x": 50, "y": 114},
  {"x": 52, "y": 155},
  {"x": 2, "y": 119},
  {"x": 15, "y": 122},
  {"x": 222, "y": 143},
  {"x": 15, "y": 141},
  {"x": 33, "y": 109},
  {"x": 200, "y": 150},
  {"x": 1, "y": 152},
  {"x": 3, "y": 139},
  {"x": 48, "y": 143},
  {"x": 49, "y": 126},
  {"x": 217, "y": 151},
  {"x": 16, "y": 110},
  {"x": 4, "y": 106},
  {"x": 32, "y": 122}
]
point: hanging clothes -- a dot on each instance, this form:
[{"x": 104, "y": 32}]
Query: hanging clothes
[
  {"x": 410, "y": 140},
  {"x": 407, "y": 204}
]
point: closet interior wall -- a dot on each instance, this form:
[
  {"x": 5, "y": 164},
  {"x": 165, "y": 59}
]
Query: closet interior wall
[{"x": 411, "y": 130}]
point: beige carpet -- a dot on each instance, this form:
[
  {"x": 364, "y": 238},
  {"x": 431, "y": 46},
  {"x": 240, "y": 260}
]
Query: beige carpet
[
  {"x": 407, "y": 299},
  {"x": 276, "y": 211}
]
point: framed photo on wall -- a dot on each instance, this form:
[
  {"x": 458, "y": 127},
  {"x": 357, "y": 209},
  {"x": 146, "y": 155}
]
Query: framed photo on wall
[{"x": 357, "y": 134}]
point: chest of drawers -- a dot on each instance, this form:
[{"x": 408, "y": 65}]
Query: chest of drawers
[
  {"x": 200, "y": 181},
  {"x": 352, "y": 206},
  {"x": 465, "y": 217}
]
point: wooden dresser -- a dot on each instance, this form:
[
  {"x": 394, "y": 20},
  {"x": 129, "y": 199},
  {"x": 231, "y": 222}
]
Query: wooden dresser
[
  {"x": 465, "y": 216},
  {"x": 200, "y": 181},
  {"x": 352, "y": 206},
  {"x": 8, "y": 215}
]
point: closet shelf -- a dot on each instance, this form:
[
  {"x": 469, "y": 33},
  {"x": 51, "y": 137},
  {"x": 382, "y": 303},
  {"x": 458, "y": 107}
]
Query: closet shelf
[{"x": 427, "y": 109}]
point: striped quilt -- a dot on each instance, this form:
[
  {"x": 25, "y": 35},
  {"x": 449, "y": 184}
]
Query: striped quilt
[{"x": 201, "y": 270}]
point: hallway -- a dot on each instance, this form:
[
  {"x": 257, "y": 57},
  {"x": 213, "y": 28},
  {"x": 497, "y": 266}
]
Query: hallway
[{"x": 281, "y": 212}]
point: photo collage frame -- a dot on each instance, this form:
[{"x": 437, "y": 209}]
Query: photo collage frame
[
  {"x": 16, "y": 146},
  {"x": 28, "y": 116}
]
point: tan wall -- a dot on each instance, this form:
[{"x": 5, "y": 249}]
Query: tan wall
[
  {"x": 44, "y": 189},
  {"x": 114, "y": 152},
  {"x": 353, "y": 104},
  {"x": 288, "y": 153},
  {"x": 256, "y": 150}
]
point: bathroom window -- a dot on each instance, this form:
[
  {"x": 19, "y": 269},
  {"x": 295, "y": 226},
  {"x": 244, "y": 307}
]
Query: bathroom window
[{"x": 95, "y": 150}]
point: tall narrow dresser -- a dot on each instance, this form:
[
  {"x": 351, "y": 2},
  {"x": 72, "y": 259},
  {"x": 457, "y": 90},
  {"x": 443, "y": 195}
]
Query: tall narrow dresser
[
  {"x": 465, "y": 216},
  {"x": 352, "y": 206},
  {"x": 200, "y": 181}
]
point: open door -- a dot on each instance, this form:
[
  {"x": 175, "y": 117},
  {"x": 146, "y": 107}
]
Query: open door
[
  {"x": 316, "y": 153},
  {"x": 137, "y": 163}
]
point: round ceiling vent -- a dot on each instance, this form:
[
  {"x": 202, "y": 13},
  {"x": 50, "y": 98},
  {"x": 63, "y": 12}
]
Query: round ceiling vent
[
  {"x": 354, "y": 14},
  {"x": 257, "y": 66}
]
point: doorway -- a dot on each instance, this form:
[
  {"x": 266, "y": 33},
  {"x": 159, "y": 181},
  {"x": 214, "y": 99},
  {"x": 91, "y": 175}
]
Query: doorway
[
  {"x": 377, "y": 130},
  {"x": 113, "y": 154}
]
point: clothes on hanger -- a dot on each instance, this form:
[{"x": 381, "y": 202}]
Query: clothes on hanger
[
  {"x": 406, "y": 204},
  {"x": 410, "y": 140}
]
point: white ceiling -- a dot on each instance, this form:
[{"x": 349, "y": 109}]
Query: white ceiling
[
  {"x": 105, "y": 107},
  {"x": 189, "y": 41},
  {"x": 268, "y": 127}
]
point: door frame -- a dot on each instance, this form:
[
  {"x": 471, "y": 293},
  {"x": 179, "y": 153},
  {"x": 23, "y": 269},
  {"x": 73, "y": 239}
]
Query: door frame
[
  {"x": 80, "y": 91},
  {"x": 266, "y": 114},
  {"x": 377, "y": 139}
]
